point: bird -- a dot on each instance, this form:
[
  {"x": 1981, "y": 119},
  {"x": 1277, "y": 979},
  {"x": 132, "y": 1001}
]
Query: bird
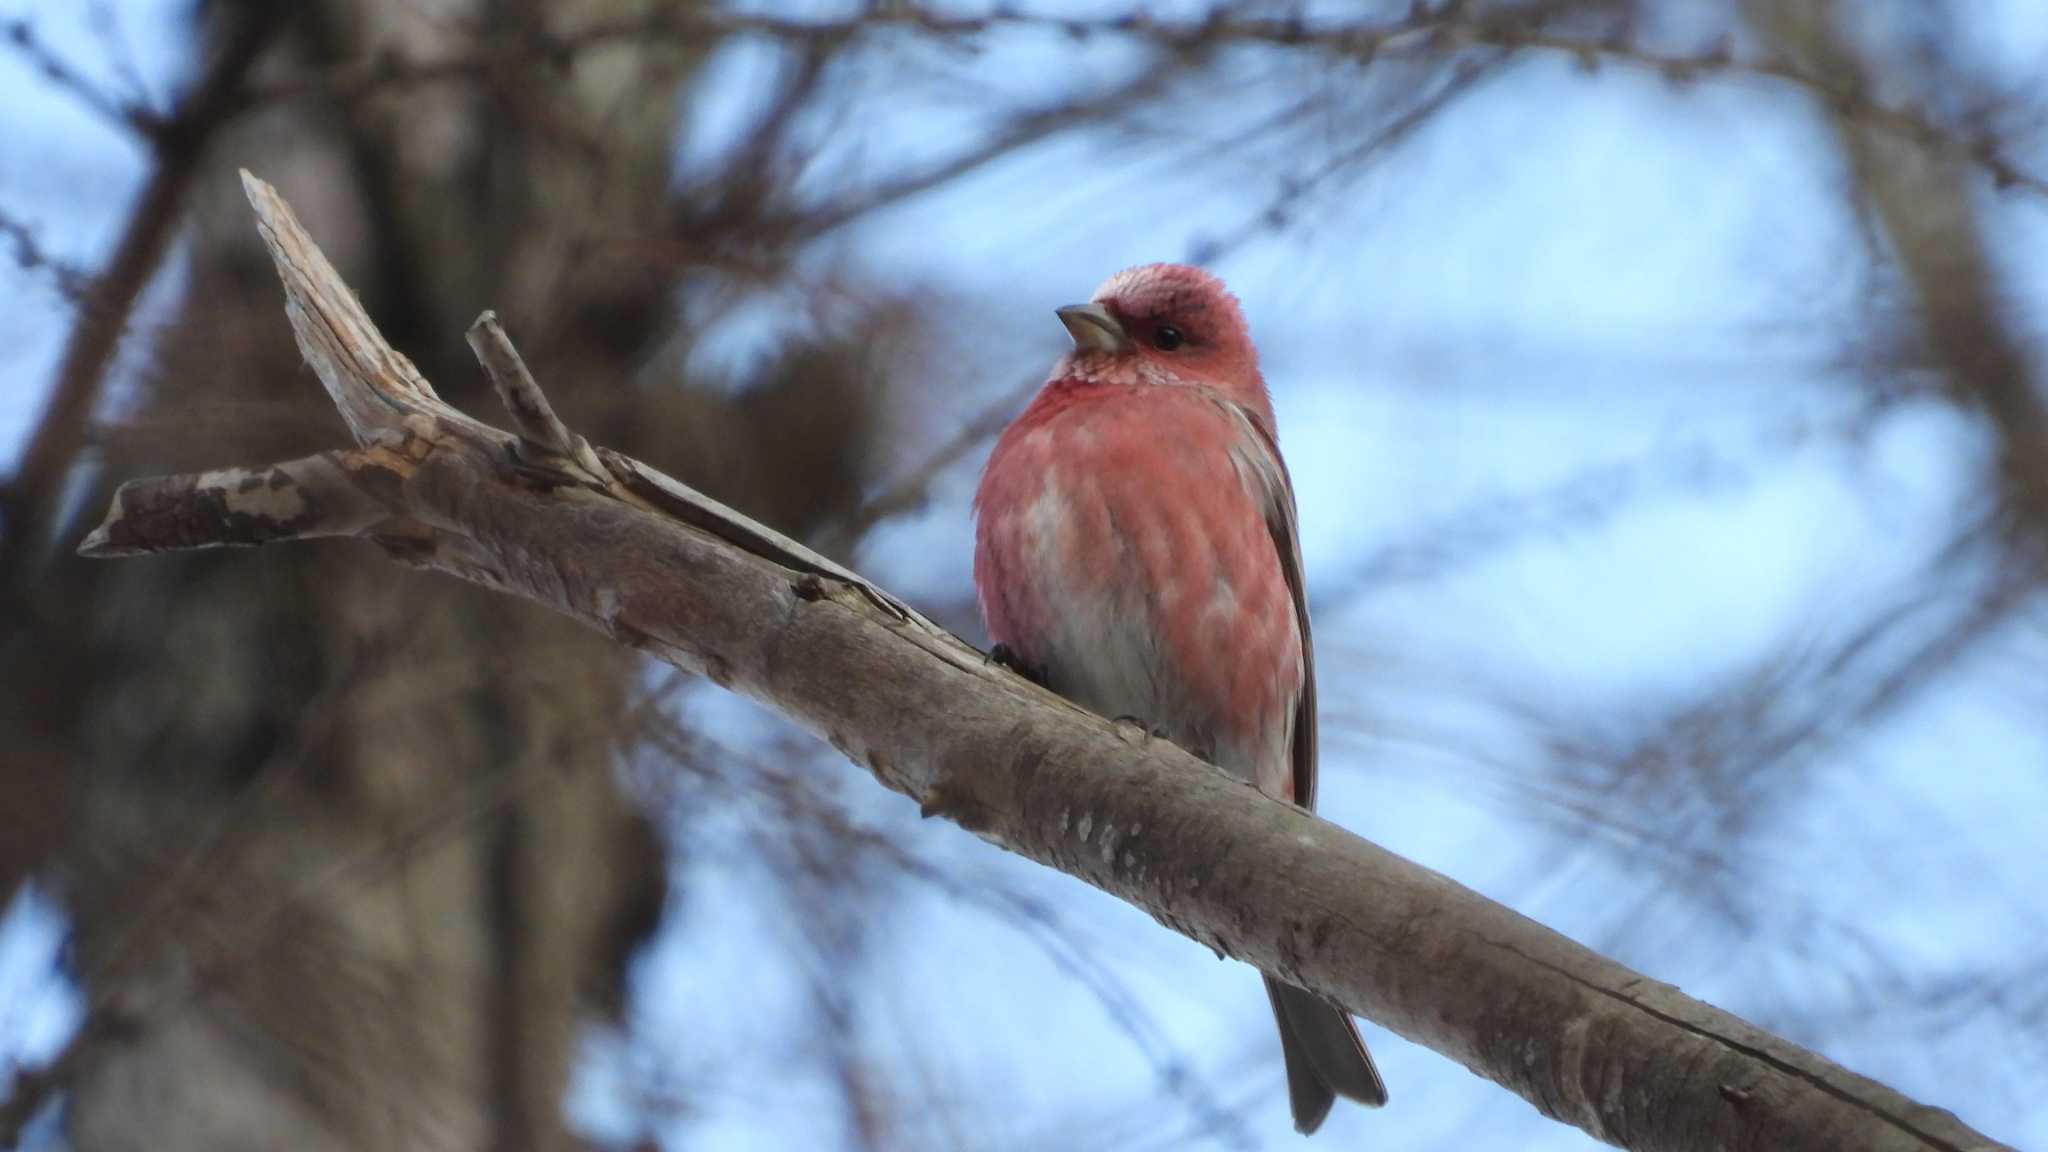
[{"x": 1136, "y": 551}]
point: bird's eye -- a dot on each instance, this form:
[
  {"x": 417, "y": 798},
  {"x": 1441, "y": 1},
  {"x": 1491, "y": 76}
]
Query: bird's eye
[{"x": 1166, "y": 338}]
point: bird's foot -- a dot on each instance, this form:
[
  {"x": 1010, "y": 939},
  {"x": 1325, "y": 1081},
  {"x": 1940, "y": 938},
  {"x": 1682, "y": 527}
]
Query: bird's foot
[
  {"x": 1133, "y": 730},
  {"x": 1006, "y": 656}
]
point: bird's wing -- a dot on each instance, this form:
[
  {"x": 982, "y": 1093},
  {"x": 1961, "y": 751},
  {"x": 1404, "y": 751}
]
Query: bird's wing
[{"x": 1262, "y": 463}]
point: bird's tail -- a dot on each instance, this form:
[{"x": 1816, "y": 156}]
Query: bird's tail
[{"x": 1326, "y": 1058}]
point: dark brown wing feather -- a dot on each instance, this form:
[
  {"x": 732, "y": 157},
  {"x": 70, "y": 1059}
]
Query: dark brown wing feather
[
  {"x": 1280, "y": 522},
  {"x": 1325, "y": 1055},
  {"x": 1287, "y": 541}
]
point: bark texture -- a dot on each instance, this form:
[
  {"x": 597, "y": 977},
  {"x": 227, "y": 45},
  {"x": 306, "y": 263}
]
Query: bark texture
[{"x": 610, "y": 542}]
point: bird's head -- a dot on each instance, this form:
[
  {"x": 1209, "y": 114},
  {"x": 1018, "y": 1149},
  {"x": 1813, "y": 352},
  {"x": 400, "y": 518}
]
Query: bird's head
[{"x": 1168, "y": 323}]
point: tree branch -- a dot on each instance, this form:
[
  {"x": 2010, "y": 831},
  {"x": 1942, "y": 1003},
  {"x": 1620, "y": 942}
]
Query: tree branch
[
  {"x": 21, "y": 35},
  {"x": 1926, "y": 206},
  {"x": 29, "y": 501},
  {"x": 1427, "y": 28},
  {"x": 653, "y": 564}
]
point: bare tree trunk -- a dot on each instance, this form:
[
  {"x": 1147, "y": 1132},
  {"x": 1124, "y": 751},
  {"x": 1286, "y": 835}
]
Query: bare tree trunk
[{"x": 345, "y": 852}]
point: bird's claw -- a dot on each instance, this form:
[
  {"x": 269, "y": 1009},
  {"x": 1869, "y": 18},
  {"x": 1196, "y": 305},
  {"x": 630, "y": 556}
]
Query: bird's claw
[
  {"x": 1134, "y": 730},
  {"x": 1006, "y": 656}
]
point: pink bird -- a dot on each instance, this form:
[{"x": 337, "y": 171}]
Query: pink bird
[{"x": 1135, "y": 551}]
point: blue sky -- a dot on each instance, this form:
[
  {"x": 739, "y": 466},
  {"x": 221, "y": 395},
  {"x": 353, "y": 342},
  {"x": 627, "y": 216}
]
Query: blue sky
[{"x": 1567, "y": 274}]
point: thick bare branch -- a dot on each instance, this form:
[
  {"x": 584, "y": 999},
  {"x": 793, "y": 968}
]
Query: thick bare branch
[
  {"x": 661, "y": 568},
  {"x": 239, "y": 507}
]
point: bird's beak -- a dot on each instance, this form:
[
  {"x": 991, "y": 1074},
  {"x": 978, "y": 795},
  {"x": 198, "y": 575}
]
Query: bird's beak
[{"x": 1093, "y": 328}]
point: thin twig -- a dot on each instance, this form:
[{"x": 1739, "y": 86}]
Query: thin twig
[
  {"x": 533, "y": 417},
  {"x": 105, "y": 24},
  {"x": 127, "y": 116},
  {"x": 912, "y": 490},
  {"x": 73, "y": 283},
  {"x": 1427, "y": 29},
  {"x": 1468, "y": 77}
]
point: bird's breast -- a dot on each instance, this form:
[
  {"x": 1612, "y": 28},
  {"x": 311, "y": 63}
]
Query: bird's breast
[
  {"x": 1091, "y": 623},
  {"x": 1131, "y": 568}
]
